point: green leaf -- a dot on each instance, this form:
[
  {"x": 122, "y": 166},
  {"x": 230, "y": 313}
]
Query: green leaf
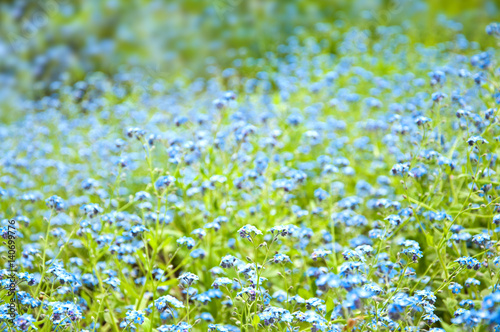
[
  {"x": 329, "y": 315},
  {"x": 451, "y": 304},
  {"x": 448, "y": 328},
  {"x": 329, "y": 304},
  {"x": 143, "y": 302},
  {"x": 430, "y": 239},
  {"x": 329, "y": 308},
  {"x": 304, "y": 293},
  {"x": 255, "y": 320},
  {"x": 107, "y": 319},
  {"x": 152, "y": 240},
  {"x": 130, "y": 289},
  {"x": 147, "y": 324}
]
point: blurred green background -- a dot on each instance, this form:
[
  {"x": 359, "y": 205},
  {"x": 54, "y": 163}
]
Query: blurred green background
[{"x": 49, "y": 40}]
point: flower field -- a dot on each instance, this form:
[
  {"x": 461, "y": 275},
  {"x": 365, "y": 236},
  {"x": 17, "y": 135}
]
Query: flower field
[{"x": 347, "y": 180}]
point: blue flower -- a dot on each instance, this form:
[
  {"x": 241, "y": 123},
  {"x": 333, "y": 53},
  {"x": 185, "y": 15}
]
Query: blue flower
[
  {"x": 186, "y": 241},
  {"x": 321, "y": 194},
  {"x": 188, "y": 278},
  {"x": 24, "y": 322},
  {"x": 164, "y": 182},
  {"x": 455, "y": 287},
  {"x": 165, "y": 302},
  {"x": 281, "y": 258},
  {"x": 56, "y": 203},
  {"x": 248, "y": 232},
  {"x": 137, "y": 317},
  {"x": 481, "y": 238},
  {"x": 320, "y": 253},
  {"x": 474, "y": 140},
  {"x": 472, "y": 282},
  {"x": 469, "y": 262}
]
